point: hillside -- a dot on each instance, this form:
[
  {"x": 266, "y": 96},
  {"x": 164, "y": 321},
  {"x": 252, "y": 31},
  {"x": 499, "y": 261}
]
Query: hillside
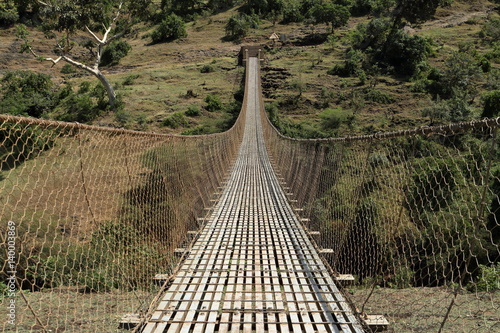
[{"x": 156, "y": 81}]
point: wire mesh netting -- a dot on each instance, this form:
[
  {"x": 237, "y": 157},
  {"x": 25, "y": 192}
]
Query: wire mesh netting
[
  {"x": 90, "y": 215},
  {"x": 413, "y": 215}
]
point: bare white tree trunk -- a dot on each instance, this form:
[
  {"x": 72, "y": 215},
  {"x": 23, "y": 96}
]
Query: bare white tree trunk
[{"x": 94, "y": 70}]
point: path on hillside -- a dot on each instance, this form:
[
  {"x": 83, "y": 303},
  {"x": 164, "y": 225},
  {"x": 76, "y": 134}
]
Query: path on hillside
[{"x": 253, "y": 268}]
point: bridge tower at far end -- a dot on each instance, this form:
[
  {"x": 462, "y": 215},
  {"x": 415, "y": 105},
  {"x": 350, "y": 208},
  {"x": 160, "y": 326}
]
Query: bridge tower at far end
[{"x": 247, "y": 51}]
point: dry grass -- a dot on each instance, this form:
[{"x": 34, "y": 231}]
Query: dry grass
[{"x": 423, "y": 309}]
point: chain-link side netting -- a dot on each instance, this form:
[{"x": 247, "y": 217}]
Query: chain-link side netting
[
  {"x": 413, "y": 215},
  {"x": 90, "y": 215}
]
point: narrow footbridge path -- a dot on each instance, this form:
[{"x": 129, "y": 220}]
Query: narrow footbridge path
[{"x": 253, "y": 268}]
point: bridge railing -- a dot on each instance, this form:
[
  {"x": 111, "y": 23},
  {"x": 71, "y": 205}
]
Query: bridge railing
[
  {"x": 414, "y": 216},
  {"x": 89, "y": 215}
]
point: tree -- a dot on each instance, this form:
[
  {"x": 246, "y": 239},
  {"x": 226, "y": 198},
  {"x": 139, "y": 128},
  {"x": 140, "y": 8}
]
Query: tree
[
  {"x": 238, "y": 25},
  {"x": 8, "y": 14},
  {"x": 182, "y": 7},
  {"x": 275, "y": 9},
  {"x": 416, "y": 11},
  {"x": 491, "y": 104},
  {"x": 292, "y": 12},
  {"x": 330, "y": 13},
  {"x": 64, "y": 19},
  {"x": 217, "y": 5}
]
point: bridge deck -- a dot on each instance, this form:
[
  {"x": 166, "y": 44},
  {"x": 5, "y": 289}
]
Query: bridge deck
[{"x": 253, "y": 268}]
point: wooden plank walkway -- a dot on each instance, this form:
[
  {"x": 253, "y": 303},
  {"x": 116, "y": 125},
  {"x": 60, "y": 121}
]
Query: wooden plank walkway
[{"x": 253, "y": 268}]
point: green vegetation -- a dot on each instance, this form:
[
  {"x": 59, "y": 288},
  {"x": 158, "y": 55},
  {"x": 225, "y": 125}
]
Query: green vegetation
[
  {"x": 330, "y": 13},
  {"x": 171, "y": 28},
  {"x": 114, "y": 52},
  {"x": 63, "y": 20},
  {"x": 207, "y": 69},
  {"x": 380, "y": 74},
  {"x": 25, "y": 93},
  {"x": 214, "y": 103},
  {"x": 393, "y": 56},
  {"x": 488, "y": 279},
  {"x": 176, "y": 120},
  {"x": 491, "y": 104},
  {"x": 238, "y": 26},
  {"x": 113, "y": 259},
  {"x": 193, "y": 111},
  {"x": 8, "y": 14}
]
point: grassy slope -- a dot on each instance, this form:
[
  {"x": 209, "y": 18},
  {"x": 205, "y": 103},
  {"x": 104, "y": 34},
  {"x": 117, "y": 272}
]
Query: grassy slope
[
  {"x": 308, "y": 65},
  {"x": 165, "y": 72}
]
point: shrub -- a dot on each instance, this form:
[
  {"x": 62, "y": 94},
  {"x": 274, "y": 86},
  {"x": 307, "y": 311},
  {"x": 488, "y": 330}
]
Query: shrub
[
  {"x": 334, "y": 118},
  {"x": 491, "y": 104},
  {"x": 22, "y": 142},
  {"x": 352, "y": 64},
  {"x": 493, "y": 80},
  {"x": 129, "y": 80},
  {"x": 405, "y": 52},
  {"x": 433, "y": 186},
  {"x": 491, "y": 29},
  {"x": 193, "y": 111},
  {"x": 377, "y": 159},
  {"x": 494, "y": 54},
  {"x": 397, "y": 51},
  {"x": 78, "y": 107},
  {"x": 488, "y": 279},
  {"x": 68, "y": 69},
  {"x": 122, "y": 117},
  {"x": 453, "y": 110},
  {"x": 460, "y": 73},
  {"x": 176, "y": 120},
  {"x": 114, "y": 52},
  {"x": 207, "y": 69},
  {"x": 171, "y": 28},
  {"x": 26, "y": 93},
  {"x": 214, "y": 103},
  {"x": 403, "y": 278},
  {"x": 361, "y": 7},
  {"x": 378, "y": 96}
]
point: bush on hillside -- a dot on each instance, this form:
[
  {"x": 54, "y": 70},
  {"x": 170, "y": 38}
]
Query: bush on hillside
[
  {"x": 214, "y": 103},
  {"x": 491, "y": 29},
  {"x": 171, "y": 28},
  {"x": 114, "y": 52},
  {"x": 176, "y": 120},
  {"x": 491, "y": 104},
  {"x": 193, "y": 111},
  {"x": 334, "y": 118},
  {"x": 26, "y": 93}
]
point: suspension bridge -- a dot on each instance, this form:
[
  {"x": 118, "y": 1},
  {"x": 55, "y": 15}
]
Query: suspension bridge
[
  {"x": 253, "y": 267},
  {"x": 263, "y": 226}
]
